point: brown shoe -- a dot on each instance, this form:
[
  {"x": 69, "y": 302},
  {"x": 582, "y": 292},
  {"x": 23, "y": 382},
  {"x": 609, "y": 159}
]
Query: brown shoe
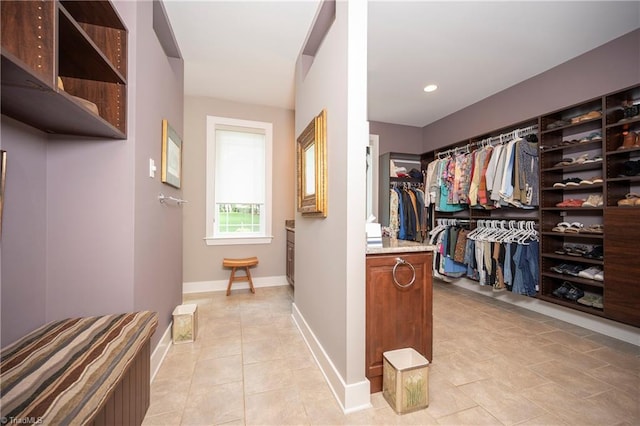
[{"x": 630, "y": 140}]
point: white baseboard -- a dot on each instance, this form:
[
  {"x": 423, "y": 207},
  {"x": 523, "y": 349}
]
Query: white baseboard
[
  {"x": 221, "y": 285},
  {"x": 351, "y": 397},
  {"x": 158, "y": 354},
  {"x": 600, "y": 325}
]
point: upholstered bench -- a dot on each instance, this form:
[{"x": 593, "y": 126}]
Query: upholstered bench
[
  {"x": 234, "y": 264},
  {"x": 79, "y": 371}
]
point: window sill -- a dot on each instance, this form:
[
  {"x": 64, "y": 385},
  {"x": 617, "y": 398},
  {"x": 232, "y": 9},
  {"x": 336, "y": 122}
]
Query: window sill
[{"x": 213, "y": 241}]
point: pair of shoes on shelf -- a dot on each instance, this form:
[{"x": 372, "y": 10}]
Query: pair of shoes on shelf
[
  {"x": 592, "y": 273},
  {"x": 597, "y": 253},
  {"x": 630, "y": 200},
  {"x": 630, "y": 140},
  {"x": 591, "y": 299},
  {"x": 573, "y": 250},
  {"x": 593, "y": 229},
  {"x": 591, "y": 180},
  {"x": 573, "y": 227},
  {"x": 594, "y": 136},
  {"x": 567, "y": 182},
  {"x": 630, "y": 111},
  {"x": 570, "y": 202},
  {"x": 556, "y": 124},
  {"x": 568, "y": 291},
  {"x": 572, "y": 161},
  {"x": 567, "y": 269},
  {"x": 593, "y": 200},
  {"x": 591, "y": 115},
  {"x": 630, "y": 168}
]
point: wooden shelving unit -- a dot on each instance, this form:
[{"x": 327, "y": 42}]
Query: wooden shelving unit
[{"x": 83, "y": 44}]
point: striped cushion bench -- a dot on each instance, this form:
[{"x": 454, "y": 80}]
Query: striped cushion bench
[{"x": 77, "y": 371}]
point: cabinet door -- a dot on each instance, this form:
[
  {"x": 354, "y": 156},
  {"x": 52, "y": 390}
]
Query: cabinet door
[
  {"x": 397, "y": 317},
  {"x": 290, "y": 262},
  {"x": 622, "y": 265},
  {"x": 291, "y": 250}
]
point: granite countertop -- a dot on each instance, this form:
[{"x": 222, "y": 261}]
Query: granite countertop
[{"x": 399, "y": 246}]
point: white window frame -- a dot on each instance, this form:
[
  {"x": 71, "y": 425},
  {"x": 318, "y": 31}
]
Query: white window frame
[{"x": 213, "y": 123}]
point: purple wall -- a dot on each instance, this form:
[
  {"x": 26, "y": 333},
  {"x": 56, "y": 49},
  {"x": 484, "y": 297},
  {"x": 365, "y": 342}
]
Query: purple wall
[
  {"x": 608, "y": 68},
  {"x": 23, "y": 230},
  {"x": 87, "y": 233},
  {"x": 158, "y": 227},
  {"x": 397, "y": 137}
]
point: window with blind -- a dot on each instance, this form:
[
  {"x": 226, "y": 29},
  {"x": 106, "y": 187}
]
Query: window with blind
[{"x": 239, "y": 158}]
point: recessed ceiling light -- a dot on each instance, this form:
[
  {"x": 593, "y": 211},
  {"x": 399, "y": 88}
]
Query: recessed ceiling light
[{"x": 430, "y": 88}]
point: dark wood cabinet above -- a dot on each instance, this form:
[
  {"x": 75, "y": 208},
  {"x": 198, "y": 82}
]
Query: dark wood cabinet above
[{"x": 62, "y": 60}]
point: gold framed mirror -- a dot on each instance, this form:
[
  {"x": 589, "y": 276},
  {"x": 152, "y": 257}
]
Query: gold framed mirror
[{"x": 312, "y": 168}]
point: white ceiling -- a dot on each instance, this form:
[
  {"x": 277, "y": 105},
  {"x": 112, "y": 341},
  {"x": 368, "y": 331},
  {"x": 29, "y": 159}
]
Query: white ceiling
[{"x": 245, "y": 51}]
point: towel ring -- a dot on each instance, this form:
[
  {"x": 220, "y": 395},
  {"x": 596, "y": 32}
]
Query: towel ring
[{"x": 401, "y": 261}]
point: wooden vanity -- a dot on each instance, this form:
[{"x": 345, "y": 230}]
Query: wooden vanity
[{"x": 399, "y": 303}]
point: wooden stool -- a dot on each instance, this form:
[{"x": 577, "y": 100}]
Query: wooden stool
[{"x": 240, "y": 263}]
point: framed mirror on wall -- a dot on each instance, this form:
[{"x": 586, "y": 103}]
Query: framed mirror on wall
[{"x": 312, "y": 168}]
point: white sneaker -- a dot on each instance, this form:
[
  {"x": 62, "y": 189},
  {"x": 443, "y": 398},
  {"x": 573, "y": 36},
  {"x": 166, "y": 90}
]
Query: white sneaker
[
  {"x": 589, "y": 273},
  {"x": 599, "y": 276}
]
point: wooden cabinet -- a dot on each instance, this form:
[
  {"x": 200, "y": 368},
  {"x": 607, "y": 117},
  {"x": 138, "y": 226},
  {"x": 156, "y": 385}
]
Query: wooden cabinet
[
  {"x": 621, "y": 270},
  {"x": 397, "y": 317},
  {"x": 60, "y": 61},
  {"x": 291, "y": 250},
  {"x": 622, "y": 223},
  {"x": 596, "y": 145}
]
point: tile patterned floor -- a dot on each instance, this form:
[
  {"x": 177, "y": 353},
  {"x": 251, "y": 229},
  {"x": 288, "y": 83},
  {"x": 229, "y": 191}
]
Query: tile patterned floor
[{"x": 494, "y": 364}]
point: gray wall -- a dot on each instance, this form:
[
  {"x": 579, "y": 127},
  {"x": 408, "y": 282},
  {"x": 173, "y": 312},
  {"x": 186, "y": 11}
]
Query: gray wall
[
  {"x": 330, "y": 252},
  {"x": 24, "y": 228},
  {"x": 202, "y": 262},
  {"x": 397, "y": 137},
  {"x": 608, "y": 68},
  {"x": 98, "y": 240}
]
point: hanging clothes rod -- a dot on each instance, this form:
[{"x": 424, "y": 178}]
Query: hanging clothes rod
[
  {"x": 163, "y": 198},
  {"x": 502, "y": 138}
]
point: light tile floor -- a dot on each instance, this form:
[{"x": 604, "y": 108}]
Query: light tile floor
[{"x": 494, "y": 363}]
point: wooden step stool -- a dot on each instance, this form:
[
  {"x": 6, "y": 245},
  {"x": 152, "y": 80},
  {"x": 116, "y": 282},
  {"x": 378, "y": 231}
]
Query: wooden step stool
[{"x": 240, "y": 263}]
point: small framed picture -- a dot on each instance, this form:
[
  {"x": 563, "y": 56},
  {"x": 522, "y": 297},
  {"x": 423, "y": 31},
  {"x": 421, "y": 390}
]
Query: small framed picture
[
  {"x": 3, "y": 175},
  {"x": 171, "y": 156}
]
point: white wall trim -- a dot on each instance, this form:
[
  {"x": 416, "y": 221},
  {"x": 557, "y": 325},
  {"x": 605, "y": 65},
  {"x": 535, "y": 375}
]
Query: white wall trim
[
  {"x": 600, "y": 325},
  {"x": 351, "y": 397},
  {"x": 221, "y": 285},
  {"x": 160, "y": 352}
]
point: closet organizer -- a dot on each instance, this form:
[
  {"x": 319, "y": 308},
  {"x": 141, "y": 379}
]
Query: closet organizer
[
  {"x": 555, "y": 198},
  {"x": 495, "y": 176}
]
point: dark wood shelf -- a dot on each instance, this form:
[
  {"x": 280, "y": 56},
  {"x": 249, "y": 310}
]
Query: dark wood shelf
[
  {"x": 573, "y": 209},
  {"x": 568, "y": 258},
  {"x": 623, "y": 123},
  {"x": 584, "y": 187},
  {"x": 573, "y": 305},
  {"x": 30, "y": 101},
  {"x": 623, "y": 151},
  {"x": 596, "y": 165},
  {"x": 79, "y": 55},
  {"x": 573, "y": 235},
  {"x": 577, "y": 280},
  {"x": 573, "y": 147},
  {"x": 624, "y": 179},
  {"x": 81, "y": 43},
  {"x": 95, "y": 12}
]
